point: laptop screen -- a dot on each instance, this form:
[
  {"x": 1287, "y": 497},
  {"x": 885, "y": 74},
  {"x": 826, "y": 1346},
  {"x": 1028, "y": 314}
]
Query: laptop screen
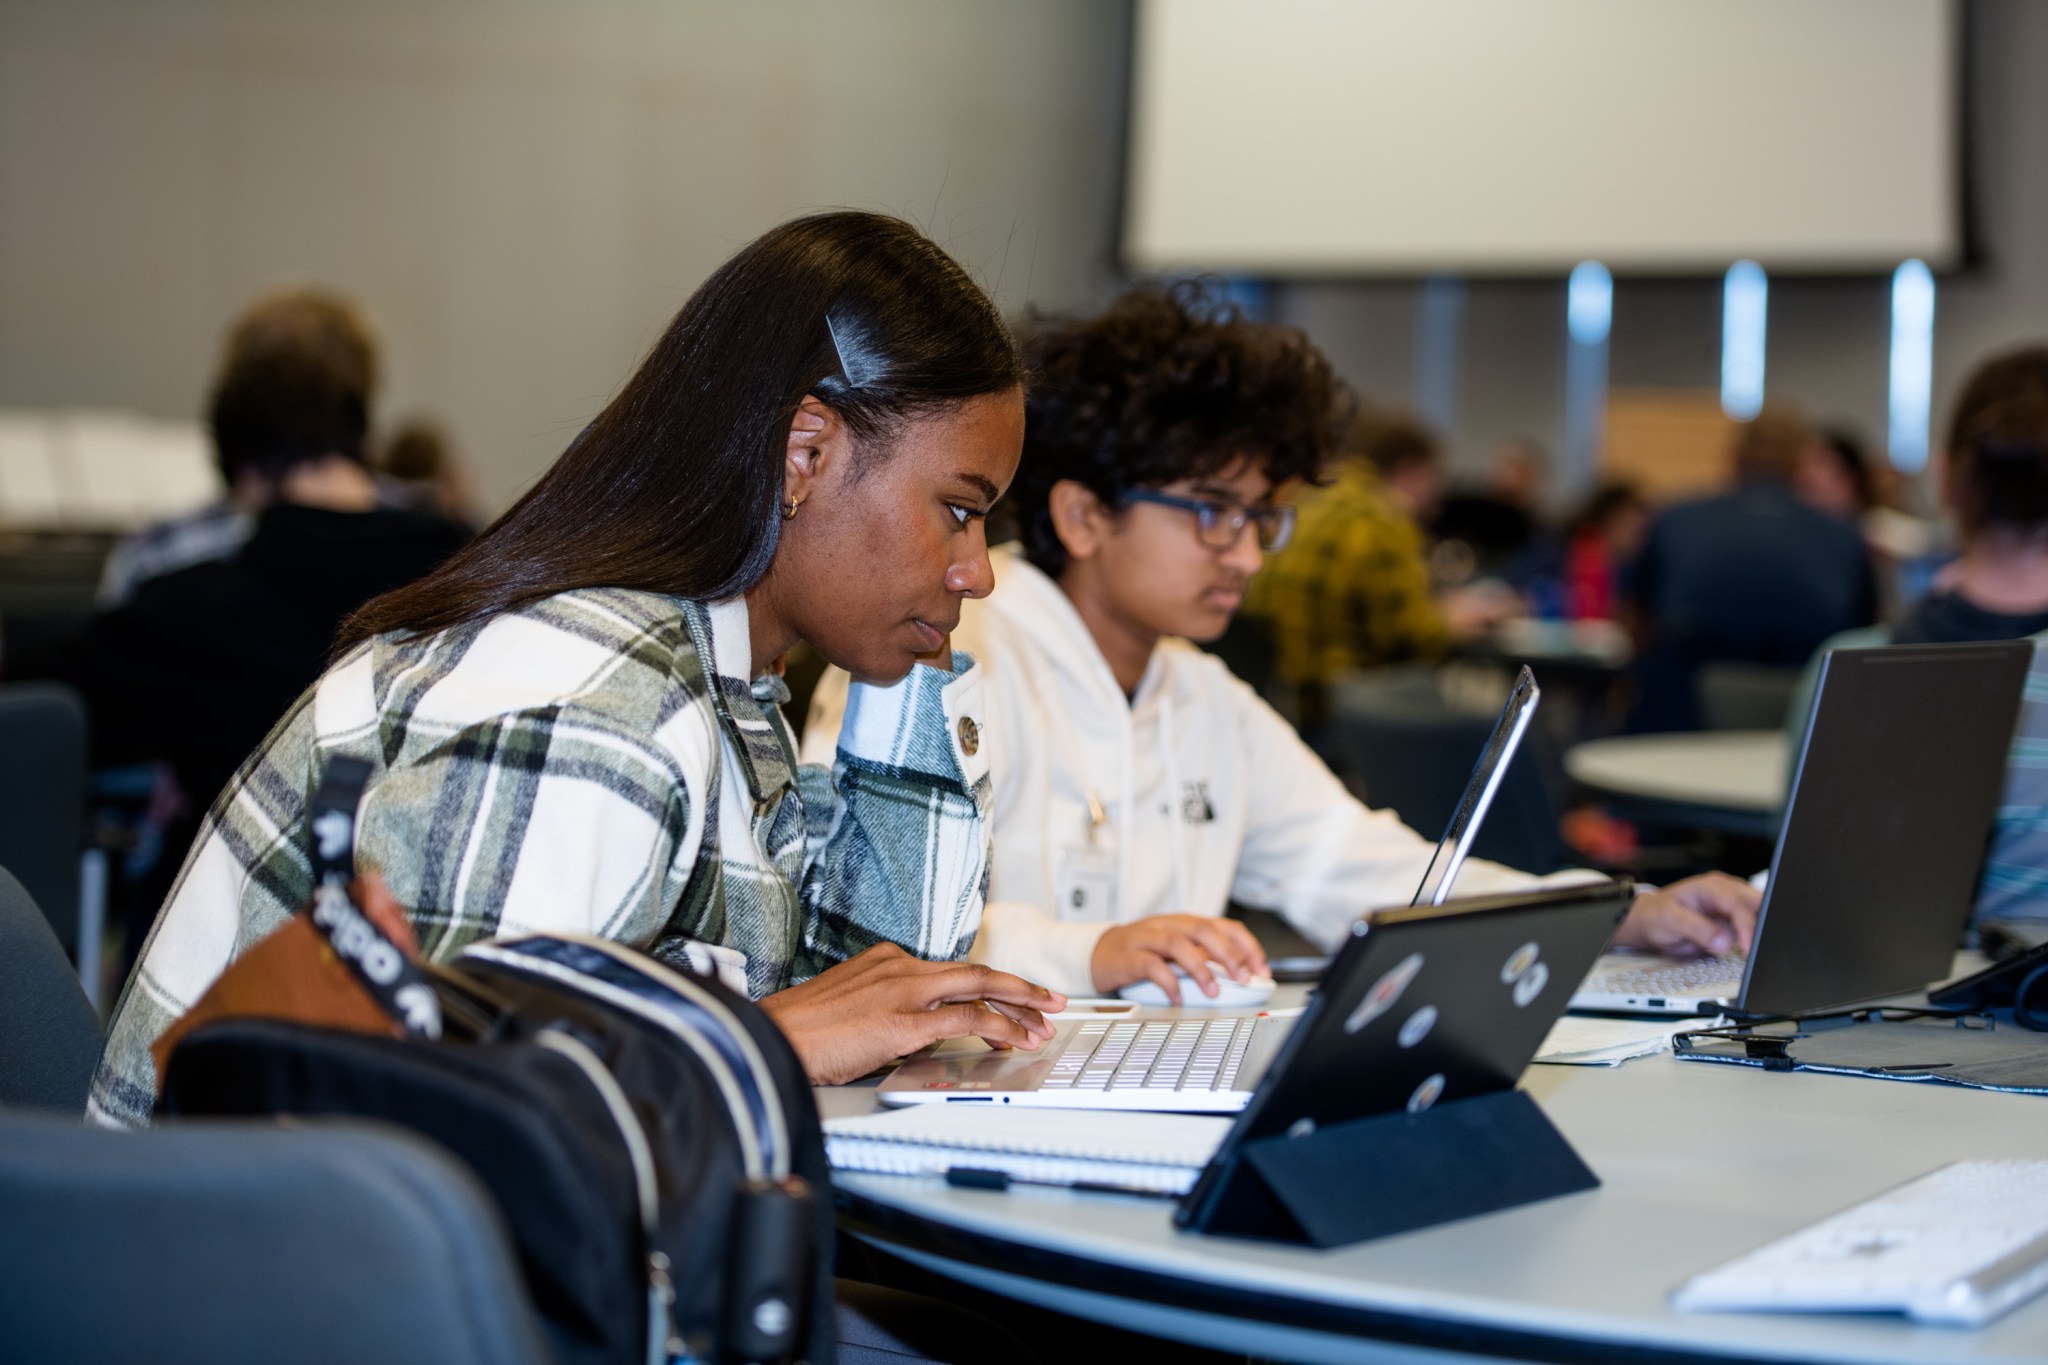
[
  {"x": 1478, "y": 794},
  {"x": 1898, "y": 781}
]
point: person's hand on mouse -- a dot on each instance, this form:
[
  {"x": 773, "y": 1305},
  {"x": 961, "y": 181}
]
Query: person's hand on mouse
[
  {"x": 1706, "y": 915},
  {"x": 1149, "y": 949}
]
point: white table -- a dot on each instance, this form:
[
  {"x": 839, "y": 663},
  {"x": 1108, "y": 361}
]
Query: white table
[
  {"x": 1732, "y": 780},
  {"x": 1700, "y": 1162}
]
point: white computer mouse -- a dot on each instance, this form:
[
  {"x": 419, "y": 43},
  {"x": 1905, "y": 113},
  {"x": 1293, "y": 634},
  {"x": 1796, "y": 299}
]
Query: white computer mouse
[{"x": 1230, "y": 994}]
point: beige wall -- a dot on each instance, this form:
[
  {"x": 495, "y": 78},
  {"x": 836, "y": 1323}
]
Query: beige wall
[{"x": 522, "y": 191}]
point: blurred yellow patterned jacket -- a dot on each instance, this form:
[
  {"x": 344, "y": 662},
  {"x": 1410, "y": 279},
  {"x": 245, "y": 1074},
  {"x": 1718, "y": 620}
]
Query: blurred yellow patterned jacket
[{"x": 1351, "y": 590}]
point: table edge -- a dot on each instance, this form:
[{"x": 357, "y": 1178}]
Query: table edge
[{"x": 886, "y": 1224}]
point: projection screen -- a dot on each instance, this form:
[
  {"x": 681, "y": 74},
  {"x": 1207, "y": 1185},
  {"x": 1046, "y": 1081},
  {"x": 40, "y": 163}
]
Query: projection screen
[{"x": 1357, "y": 137}]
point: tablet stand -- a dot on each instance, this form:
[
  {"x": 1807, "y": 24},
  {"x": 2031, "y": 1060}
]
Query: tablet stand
[{"x": 1374, "y": 1177}]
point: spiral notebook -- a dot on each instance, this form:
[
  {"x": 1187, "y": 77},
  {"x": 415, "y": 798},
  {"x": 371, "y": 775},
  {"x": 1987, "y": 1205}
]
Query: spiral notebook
[{"x": 1161, "y": 1153}]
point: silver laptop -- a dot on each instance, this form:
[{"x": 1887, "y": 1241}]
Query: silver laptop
[
  {"x": 1477, "y": 798},
  {"x": 1885, "y": 827},
  {"x": 1422, "y": 1003},
  {"x": 1201, "y": 1060}
]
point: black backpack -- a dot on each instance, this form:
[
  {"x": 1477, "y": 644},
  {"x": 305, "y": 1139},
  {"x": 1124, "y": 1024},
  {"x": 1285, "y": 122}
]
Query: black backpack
[{"x": 647, "y": 1132}]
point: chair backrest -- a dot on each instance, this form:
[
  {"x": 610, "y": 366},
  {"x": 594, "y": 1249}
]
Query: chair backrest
[
  {"x": 1248, "y": 648},
  {"x": 220, "y": 1243},
  {"x": 49, "y": 1033},
  {"x": 1412, "y": 751},
  {"x": 1737, "y": 696},
  {"x": 42, "y": 797}
]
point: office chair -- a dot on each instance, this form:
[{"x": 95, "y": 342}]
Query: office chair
[
  {"x": 49, "y": 1032},
  {"x": 1412, "y": 751},
  {"x": 1248, "y": 648},
  {"x": 42, "y": 798},
  {"x": 245, "y": 1242},
  {"x": 1739, "y": 696}
]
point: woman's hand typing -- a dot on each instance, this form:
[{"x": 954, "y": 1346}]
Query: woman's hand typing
[{"x": 884, "y": 1004}]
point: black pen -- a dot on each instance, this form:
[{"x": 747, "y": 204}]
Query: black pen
[{"x": 982, "y": 1178}]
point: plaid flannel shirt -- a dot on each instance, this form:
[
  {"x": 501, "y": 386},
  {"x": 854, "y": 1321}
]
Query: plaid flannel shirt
[
  {"x": 594, "y": 763},
  {"x": 1351, "y": 590},
  {"x": 2015, "y": 884}
]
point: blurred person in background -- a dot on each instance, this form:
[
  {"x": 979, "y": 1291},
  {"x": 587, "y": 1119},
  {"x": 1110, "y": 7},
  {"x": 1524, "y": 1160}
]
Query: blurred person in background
[
  {"x": 1836, "y": 476},
  {"x": 1995, "y": 479},
  {"x": 1753, "y": 575},
  {"x": 420, "y": 469},
  {"x": 1993, "y": 476},
  {"x": 1601, "y": 542},
  {"x": 1497, "y": 520},
  {"x": 1833, "y": 475},
  {"x": 1353, "y": 588},
  {"x": 298, "y": 320},
  {"x": 197, "y": 663}
]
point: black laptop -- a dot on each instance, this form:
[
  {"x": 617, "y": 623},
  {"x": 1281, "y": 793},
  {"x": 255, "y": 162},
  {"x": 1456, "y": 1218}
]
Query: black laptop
[{"x": 1897, "y": 781}]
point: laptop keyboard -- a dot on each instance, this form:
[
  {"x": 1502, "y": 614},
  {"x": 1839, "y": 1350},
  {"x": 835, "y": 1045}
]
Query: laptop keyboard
[
  {"x": 1194, "y": 1054},
  {"x": 1723, "y": 974}
]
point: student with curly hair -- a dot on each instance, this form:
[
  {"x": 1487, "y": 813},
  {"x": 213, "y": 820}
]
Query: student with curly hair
[{"x": 1138, "y": 785}]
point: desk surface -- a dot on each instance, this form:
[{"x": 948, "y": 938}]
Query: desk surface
[
  {"x": 1700, "y": 1163},
  {"x": 1738, "y": 770}
]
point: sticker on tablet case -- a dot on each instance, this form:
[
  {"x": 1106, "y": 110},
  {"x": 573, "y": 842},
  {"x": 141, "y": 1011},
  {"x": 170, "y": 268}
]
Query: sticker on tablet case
[
  {"x": 1519, "y": 961},
  {"x": 1532, "y": 983},
  {"x": 1416, "y": 1026},
  {"x": 1426, "y": 1094},
  {"x": 1384, "y": 993}
]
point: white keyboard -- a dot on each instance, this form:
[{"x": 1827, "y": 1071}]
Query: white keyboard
[
  {"x": 1717, "y": 977},
  {"x": 1962, "y": 1246},
  {"x": 1194, "y": 1054}
]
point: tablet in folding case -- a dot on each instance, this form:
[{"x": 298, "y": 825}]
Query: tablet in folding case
[{"x": 1392, "y": 1105}]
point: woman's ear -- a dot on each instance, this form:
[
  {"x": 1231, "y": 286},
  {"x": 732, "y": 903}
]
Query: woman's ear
[
  {"x": 1079, "y": 519},
  {"x": 818, "y": 445}
]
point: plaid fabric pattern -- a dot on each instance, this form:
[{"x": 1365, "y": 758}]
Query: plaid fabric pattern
[
  {"x": 215, "y": 531},
  {"x": 1351, "y": 589},
  {"x": 595, "y": 763},
  {"x": 2015, "y": 884}
]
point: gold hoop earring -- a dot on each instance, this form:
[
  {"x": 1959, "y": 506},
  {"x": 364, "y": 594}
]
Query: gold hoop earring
[{"x": 790, "y": 511}]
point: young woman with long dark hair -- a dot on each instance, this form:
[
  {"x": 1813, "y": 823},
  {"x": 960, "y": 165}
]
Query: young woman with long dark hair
[{"x": 572, "y": 724}]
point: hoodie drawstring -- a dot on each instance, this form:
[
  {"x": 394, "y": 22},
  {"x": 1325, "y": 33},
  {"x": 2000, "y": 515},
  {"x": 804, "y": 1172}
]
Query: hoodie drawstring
[{"x": 1175, "y": 817}]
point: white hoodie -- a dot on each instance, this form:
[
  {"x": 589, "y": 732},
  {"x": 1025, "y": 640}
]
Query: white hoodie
[{"x": 1209, "y": 794}]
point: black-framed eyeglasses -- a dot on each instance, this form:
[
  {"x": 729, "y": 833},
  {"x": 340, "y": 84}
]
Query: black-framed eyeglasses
[{"x": 1219, "y": 521}]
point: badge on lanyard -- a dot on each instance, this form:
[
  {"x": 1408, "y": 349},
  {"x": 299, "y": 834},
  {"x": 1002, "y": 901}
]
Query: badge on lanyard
[{"x": 1084, "y": 882}]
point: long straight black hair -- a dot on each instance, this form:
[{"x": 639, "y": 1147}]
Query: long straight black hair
[{"x": 675, "y": 486}]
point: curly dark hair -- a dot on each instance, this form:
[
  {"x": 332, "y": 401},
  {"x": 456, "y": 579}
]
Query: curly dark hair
[{"x": 1166, "y": 384}]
